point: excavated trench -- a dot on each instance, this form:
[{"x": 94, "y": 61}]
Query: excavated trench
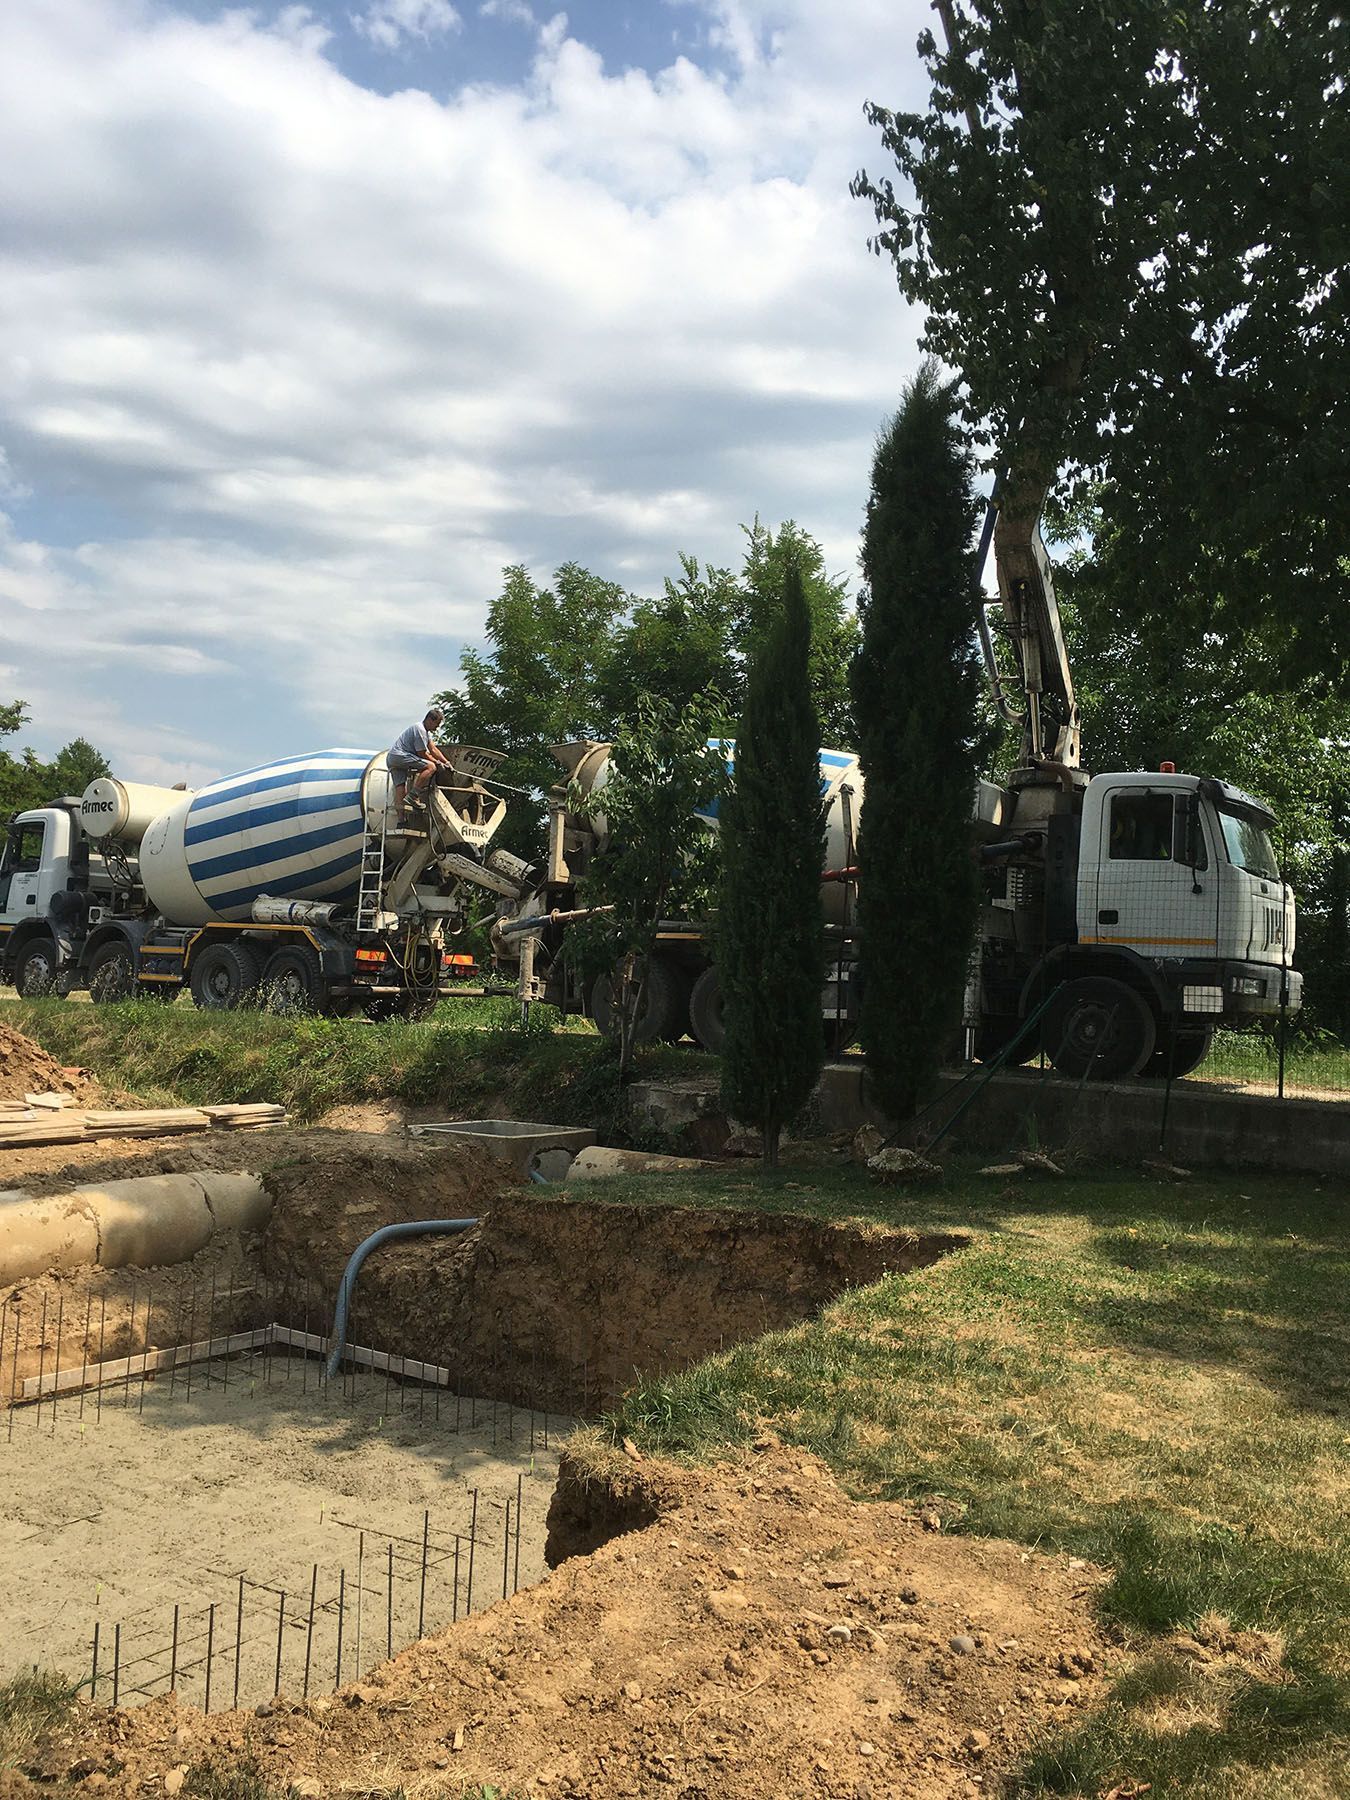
[{"x": 233, "y": 1514}]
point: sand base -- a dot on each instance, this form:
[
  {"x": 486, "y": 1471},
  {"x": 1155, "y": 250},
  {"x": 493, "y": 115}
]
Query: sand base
[{"x": 118, "y": 1506}]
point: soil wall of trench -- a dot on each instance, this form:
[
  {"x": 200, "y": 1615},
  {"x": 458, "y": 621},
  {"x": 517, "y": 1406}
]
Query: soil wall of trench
[{"x": 556, "y": 1303}]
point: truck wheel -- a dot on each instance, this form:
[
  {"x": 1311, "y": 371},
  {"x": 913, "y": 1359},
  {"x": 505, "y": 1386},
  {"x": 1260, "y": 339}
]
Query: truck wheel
[
  {"x": 112, "y": 973},
  {"x": 707, "y": 1011},
  {"x": 661, "y": 1005},
  {"x": 223, "y": 977},
  {"x": 292, "y": 981},
  {"x": 1180, "y": 1051},
  {"x": 35, "y": 978},
  {"x": 1098, "y": 1028}
]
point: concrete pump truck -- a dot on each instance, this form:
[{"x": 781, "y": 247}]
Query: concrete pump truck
[{"x": 1125, "y": 916}]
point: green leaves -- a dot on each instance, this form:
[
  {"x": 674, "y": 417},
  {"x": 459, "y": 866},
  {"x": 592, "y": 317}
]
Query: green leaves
[{"x": 1131, "y": 262}]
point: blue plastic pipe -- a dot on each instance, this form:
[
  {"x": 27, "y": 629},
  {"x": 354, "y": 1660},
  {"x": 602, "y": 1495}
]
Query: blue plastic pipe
[{"x": 386, "y": 1234}]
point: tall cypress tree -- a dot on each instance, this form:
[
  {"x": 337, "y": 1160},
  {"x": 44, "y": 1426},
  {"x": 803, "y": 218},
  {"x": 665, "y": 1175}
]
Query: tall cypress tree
[
  {"x": 915, "y": 690},
  {"x": 771, "y": 928}
]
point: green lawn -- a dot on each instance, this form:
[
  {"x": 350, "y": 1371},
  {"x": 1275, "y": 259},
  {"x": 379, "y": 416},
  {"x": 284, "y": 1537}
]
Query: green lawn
[{"x": 1156, "y": 1376}]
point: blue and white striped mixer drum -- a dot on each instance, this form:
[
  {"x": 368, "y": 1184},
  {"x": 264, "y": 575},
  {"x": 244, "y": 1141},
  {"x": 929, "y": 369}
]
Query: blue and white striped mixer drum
[{"x": 292, "y": 828}]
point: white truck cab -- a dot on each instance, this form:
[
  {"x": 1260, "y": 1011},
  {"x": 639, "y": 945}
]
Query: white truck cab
[
  {"x": 1132, "y": 913},
  {"x": 38, "y": 862}
]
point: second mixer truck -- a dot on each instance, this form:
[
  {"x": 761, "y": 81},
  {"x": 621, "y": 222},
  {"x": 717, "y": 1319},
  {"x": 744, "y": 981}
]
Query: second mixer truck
[{"x": 291, "y": 884}]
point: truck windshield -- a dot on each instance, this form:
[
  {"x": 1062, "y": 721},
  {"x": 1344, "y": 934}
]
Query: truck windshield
[{"x": 1249, "y": 846}]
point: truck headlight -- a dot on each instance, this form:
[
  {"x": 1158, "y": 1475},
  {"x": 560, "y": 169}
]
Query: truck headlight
[{"x": 1248, "y": 984}]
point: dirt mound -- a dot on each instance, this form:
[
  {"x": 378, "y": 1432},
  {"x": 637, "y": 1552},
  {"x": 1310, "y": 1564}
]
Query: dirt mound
[
  {"x": 57, "y": 1167},
  {"x": 765, "y": 1637},
  {"x": 26, "y": 1068},
  {"x": 325, "y": 1204},
  {"x": 555, "y": 1302}
]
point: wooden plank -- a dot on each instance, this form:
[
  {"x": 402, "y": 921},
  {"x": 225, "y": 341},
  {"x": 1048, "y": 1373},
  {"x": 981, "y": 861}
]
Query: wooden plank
[
  {"x": 15, "y": 1137},
  {"x": 407, "y": 1366},
  {"x": 149, "y": 1362},
  {"x": 148, "y": 1116},
  {"x": 250, "y": 1109}
]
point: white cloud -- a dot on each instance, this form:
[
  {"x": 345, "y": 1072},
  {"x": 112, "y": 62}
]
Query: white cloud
[
  {"x": 291, "y": 368},
  {"x": 389, "y": 22},
  {"x": 512, "y": 12}
]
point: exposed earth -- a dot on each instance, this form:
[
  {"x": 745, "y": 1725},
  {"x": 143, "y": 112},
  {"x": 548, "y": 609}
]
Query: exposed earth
[
  {"x": 740, "y": 1630},
  {"x": 764, "y": 1637}
]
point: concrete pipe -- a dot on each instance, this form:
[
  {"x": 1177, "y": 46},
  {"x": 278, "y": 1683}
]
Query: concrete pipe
[
  {"x": 35, "y": 1235},
  {"x": 598, "y": 1164},
  {"x": 143, "y": 1222}
]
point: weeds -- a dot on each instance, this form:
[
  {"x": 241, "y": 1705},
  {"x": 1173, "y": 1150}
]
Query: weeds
[
  {"x": 465, "y": 1058},
  {"x": 31, "y": 1704}
]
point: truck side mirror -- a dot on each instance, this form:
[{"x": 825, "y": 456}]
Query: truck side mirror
[{"x": 1193, "y": 843}]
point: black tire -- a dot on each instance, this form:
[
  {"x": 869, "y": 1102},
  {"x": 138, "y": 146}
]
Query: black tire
[
  {"x": 707, "y": 1014},
  {"x": 1099, "y": 1028},
  {"x": 839, "y": 1034},
  {"x": 112, "y": 973},
  {"x": 292, "y": 981},
  {"x": 662, "y": 1006},
  {"x": 224, "y": 976},
  {"x": 36, "y": 975},
  {"x": 993, "y": 1034},
  {"x": 1179, "y": 1051}
]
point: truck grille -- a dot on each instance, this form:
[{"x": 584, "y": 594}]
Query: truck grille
[{"x": 1274, "y": 927}]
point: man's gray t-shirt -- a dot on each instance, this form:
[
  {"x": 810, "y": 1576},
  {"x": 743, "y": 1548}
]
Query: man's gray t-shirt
[{"x": 412, "y": 742}]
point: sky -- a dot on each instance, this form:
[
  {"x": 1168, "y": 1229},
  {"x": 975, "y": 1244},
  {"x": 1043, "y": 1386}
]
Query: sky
[{"x": 314, "y": 318}]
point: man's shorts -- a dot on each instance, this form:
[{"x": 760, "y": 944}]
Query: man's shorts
[{"x": 402, "y": 767}]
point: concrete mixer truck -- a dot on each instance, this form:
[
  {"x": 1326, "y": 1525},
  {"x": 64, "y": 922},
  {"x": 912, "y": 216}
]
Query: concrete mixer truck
[{"x": 292, "y": 884}]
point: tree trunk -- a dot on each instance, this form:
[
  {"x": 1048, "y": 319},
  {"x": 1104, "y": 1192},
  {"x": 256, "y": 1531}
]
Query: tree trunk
[{"x": 772, "y": 1132}]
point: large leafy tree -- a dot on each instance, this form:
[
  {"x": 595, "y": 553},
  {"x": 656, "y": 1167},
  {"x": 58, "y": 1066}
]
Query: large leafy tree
[
  {"x": 1127, "y": 228},
  {"x": 770, "y": 923},
  {"x": 916, "y": 690}
]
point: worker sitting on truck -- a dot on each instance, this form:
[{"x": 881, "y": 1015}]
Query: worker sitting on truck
[{"x": 414, "y": 759}]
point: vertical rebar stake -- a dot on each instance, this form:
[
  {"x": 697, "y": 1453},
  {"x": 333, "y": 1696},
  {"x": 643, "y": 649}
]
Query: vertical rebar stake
[
  {"x": 238, "y": 1639},
  {"x": 520, "y": 1489},
  {"x": 145, "y": 1351},
  {"x": 93, "y": 1677},
  {"x": 14, "y": 1373},
  {"x": 389, "y": 1606},
  {"x": 131, "y": 1345},
  {"x": 117, "y": 1661},
  {"x": 342, "y": 1615},
  {"x": 210, "y": 1647},
  {"x": 281, "y": 1627},
  {"x": 473, "y": 1538},
  {"x": 309, "y": 1633},
  {"x": 102, "y": 1324},
  {"x": 454, "y": 1609},
  {"x": 506, "y": 1551},
  {"x": 56, "y": 1367},
  {"x": 84, "y": 1351},
  {"x": 360, "y": 1585},
  {"x": 173, "y": 1654},
  {"x": 422, "y": 1591},
  {"x": 229, "y": 1329},
  {"x": 192, "y": 1332},
  {"x": 42, "y": 1358},
  {"x": 211, "y": 1328}
]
